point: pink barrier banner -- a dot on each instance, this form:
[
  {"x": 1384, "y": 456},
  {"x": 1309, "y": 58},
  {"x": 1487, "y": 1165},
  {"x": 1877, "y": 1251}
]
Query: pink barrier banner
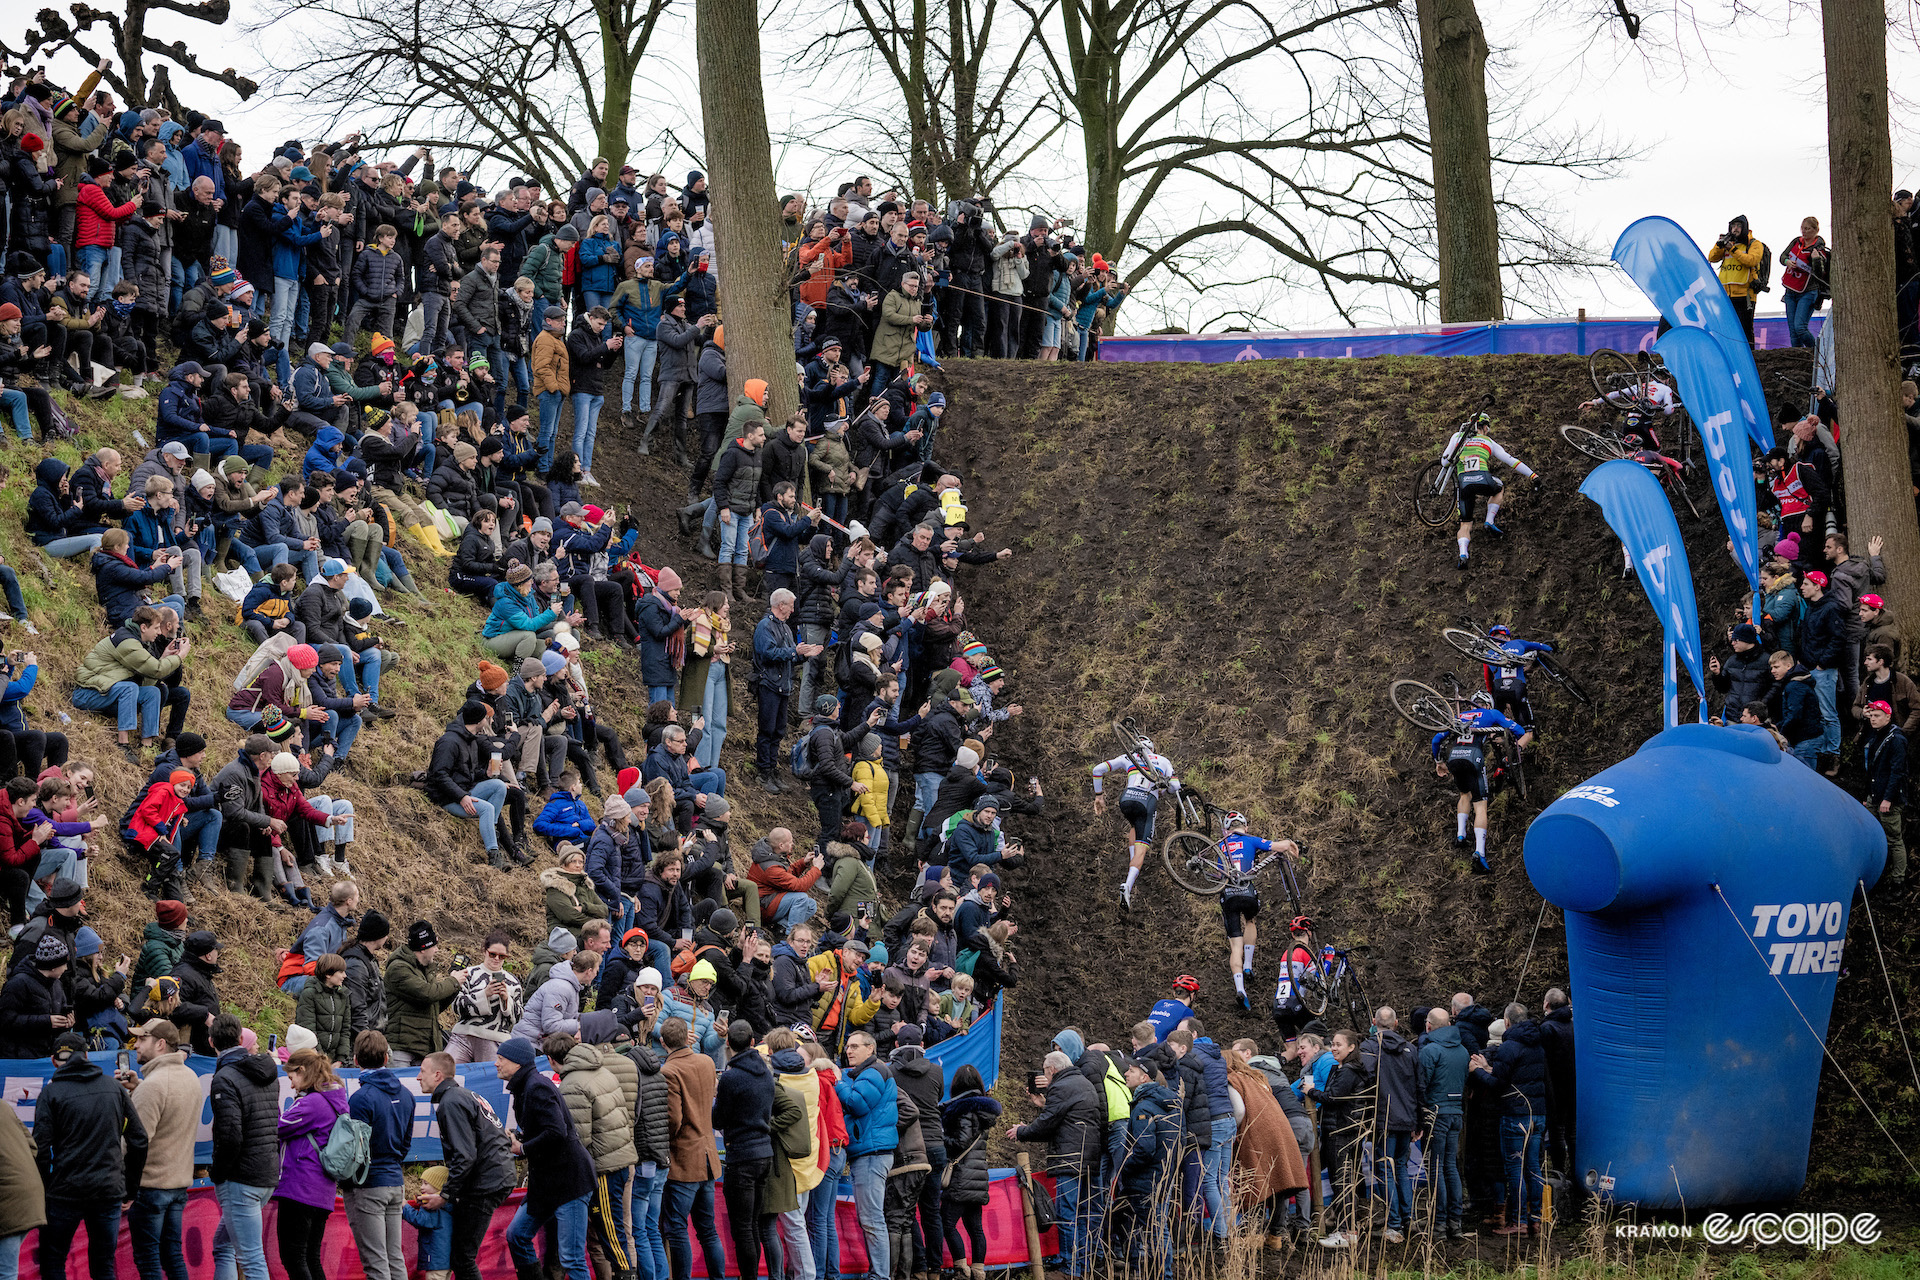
[{"x": 1003, "y": 1219}]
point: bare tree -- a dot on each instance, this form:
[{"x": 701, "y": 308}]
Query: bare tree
[
  {"x": 1866, "y": 347},
  {"x": 962, "y": 71},
  {"x": 524, "y": 85},
  {"x": 1453, "y": 71},
  {"x": 131, "y": 47},
  {"x": 746, "y": 212}
]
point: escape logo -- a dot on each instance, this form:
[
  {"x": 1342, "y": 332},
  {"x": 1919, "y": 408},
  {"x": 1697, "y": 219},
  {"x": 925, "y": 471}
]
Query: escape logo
[
  {"x": 1803, "y": 920},
  {"x": 1599, "y": 795},
  {"x": 1813, "y": 1230}
]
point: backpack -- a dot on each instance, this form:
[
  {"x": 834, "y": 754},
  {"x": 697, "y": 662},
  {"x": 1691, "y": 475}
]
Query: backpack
[
  {"x": 1763, "y": 277},
  {"x": 758, "y": 548},
  {"x": 348, "y": 1155},
  {"x": 799, "y": 759}
]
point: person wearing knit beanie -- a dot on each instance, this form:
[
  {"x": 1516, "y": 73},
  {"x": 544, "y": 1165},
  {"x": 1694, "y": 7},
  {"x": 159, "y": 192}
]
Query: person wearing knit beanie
[
  {"x": 170, "y": 915},
  {"x": 492, "y": 678}
]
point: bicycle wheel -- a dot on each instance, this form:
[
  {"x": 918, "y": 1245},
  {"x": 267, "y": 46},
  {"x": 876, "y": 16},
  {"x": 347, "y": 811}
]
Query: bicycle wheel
[
  {"x": 1550, "y": 667},
  {"x": 1130, "y": 740},
  {"x": 1612, "y": 372},
  {"x": 1421, "y": 706},
  {"x": 1602, "y": 446},
  {"x": 1352, "y": 999},
  {"x": 1193, "y": 860},
  {"x": 1315, "y": 992},
  {"x": 1517, "y": 771},
  {"x": 1433, "y": 499},
  {"x": 1477, "y": 647}
]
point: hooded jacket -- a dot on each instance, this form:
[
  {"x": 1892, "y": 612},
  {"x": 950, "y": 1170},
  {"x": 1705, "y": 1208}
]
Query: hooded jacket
[
  {"x": 1517, "y": 1070},
  {"x": 1073, "y": 1124},
  {"x": 966, "y": 1121},
  {"x": 743, "y": 1108},
  {"x": 1443, "y": 1071},
  {"x": 474, "y": 1147},
  {"x": 599, "y": 1107},
  {"x": 80, "y": 1121},
  {"x": 385, "y": 1106},
  {"x": 245, "y": 1096},
  {"x": 1396, "y": 1065}
]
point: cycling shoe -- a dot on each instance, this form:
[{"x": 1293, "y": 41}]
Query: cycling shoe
[
  {"x": 1481, "y": 867},
  {"x": 1463, "y": 564},
  {"x": 1494, "y": 529}
]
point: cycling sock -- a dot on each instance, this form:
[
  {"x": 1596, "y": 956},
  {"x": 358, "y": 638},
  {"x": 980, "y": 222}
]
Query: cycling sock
[
  {"x": 1463, "y": 545},
  {"x": 1246, "y": 957},
  {"x": 1239, "y": 980},
  {"x": 1480, "y": 841},
  {"x": 1493, "y": 509},
  {"x": 1133, "y": 873},
  {"x": 1460, "y": 829}
]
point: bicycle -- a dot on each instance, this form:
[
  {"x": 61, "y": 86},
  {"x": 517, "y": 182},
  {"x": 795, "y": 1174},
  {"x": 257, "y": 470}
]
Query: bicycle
[
  {"x": 1200, "y": 864},
  {"x": 1435, "y": 488},
  {"x": 1427, "y": 708},
  {"x": 1334, "y": 983},
  {"x": 1471, "y": 639},
  {"x": 1190, "y": 808}
]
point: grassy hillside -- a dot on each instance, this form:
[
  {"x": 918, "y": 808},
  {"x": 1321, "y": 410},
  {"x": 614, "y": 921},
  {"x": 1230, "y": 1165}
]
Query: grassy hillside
[{"x": 1229, "y": 554}]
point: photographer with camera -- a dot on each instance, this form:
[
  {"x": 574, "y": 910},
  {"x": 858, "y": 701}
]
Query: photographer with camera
[
  {"x": 1741, "y": 257},
  {"x": 1043, "y": 259},
  {"x": 968, "y": 258},
  {"x": 902, "y": 316},
  {"x": 1010, "y": 270}
]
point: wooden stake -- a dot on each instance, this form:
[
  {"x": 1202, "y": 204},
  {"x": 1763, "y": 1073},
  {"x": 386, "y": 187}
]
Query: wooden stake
[{"x": 1035, "y": 1266}]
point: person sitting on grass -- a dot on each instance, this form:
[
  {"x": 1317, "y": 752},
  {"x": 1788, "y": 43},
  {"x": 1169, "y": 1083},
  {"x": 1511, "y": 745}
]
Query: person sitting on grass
[
  {"x": 123, "y": 672},
  {"x": 462, "y": 785},
  {"x": 121, "y": 585}
]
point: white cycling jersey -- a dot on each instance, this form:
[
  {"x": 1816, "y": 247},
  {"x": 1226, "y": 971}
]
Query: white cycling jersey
[
  {"x": 1136, "y": 777},
  {"x": 1658, "y": 394}
]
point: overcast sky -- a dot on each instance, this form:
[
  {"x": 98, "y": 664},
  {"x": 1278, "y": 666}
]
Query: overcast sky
[{"x": 1736, "y": 125}]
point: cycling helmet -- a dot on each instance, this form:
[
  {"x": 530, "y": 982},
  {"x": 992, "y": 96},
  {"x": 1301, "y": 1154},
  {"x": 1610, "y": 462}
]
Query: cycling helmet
[
  {"x": 1633, "y": 421},
  {"x": 1186, "y": 982},
  {"x": 1146, "y": 744},
  {"x": 1235, "y": 818},
  {"x": 1633, "y": 441},
  {"x": 1300, "y": 924},
  {"x": 1481, "y": 698},
  {"x": 1482, "y": 420},
  {"x": 1500, "y": 629}
]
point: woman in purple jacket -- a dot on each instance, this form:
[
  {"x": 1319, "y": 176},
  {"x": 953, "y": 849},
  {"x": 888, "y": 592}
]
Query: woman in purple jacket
[{"x": 306, "y": 1194}]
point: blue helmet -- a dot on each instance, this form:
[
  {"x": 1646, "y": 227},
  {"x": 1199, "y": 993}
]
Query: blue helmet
[{"x": 1499, "y": 629}]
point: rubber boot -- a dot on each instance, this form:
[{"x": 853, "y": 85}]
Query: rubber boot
[
  {"x": 262, "y": 883},
  {"x": 206, "y": 876},
  {"x": 405, "y": 579},
  {"x": 739, "y": 581},
  {"x": 689, "y": 516},
  {"x": 200, "y": 462},
  {"x": 430, "y": 537},
  {"x": 913, "y": 824},
  {"x": 680, "y": 457},
  {"x": 646, "y": 434}
]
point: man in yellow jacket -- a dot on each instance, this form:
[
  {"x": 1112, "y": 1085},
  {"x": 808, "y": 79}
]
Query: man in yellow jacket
[{"x": 1740, "y": 254}]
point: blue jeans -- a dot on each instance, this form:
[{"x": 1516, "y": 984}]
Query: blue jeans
[
  {"x": 794, "y": 907},
  {"x": 10, "y": 582},
  {"x": 926, "y": 789},
  {"x": 1443, "y": 1170},
  {"x": 733, "y": 539},
  {"x": 586, "y": 426},
  {"x": 1520, "y": 1138},
  {"x": 66, "y": 548},
  {"x": 128, "y": 700},
  {"x": 1801, "y": 309},
  {"x": 636, "y": 377},
  {"x": 709, "y": 782},
  {"x": 366, "y": 679},
  {"x": 1214, "y": 1164},
  {"x": 1826, "y": 684},
  {"x": 10, "y": 1256},
  {"x": 659, "y": 693},
  {"x": 1070, "y": 1205},
  {"x": 821, "y": 1231},
  {"x": 870, "y": 1196},
  {"x": 595, "y": 298},
  {"x": 343, "y": 732},
  {"x": 570, "y": 1218},
  {"x": 649, "y": 1246},
  {"x": 239, "y": 1234},
  {"x": 1393, "y": 1169},
  {"x": 714, "y": 707},
  {"x": 257, "y": 560},
  {"x": 14, "y": 404},
  {"x": 92, "y": 259},
  {"x": 185, "y": 276},
  {"x": 286, "y": 303},
  {"x": 64, "y": 1219},
  {"x": 550, "y": 402},
  {"x": 488, "y": 797},
  {"x": 202, "y": 832},
  {"x": 697, "y": 1198},
  {"x": 155, "y": 1226}
]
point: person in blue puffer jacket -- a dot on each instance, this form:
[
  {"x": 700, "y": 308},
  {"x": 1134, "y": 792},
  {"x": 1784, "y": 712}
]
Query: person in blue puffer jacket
[
  {"x": 870, "y": 1097},
  {"x": 325, "y": 453},
  {"x": 373, "y": 1208},
  {"x": 290, "y": 264},
  {"x": 599, "y": 259}
]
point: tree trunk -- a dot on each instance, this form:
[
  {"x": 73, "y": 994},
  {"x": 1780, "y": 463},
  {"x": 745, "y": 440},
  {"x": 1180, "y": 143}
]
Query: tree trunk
[
  {"x": 1867, "y": 342},
  {"x": 1453, "y": 70},
  {"x": 746, "y": 215},
  {"x": 616, "y": 92}
]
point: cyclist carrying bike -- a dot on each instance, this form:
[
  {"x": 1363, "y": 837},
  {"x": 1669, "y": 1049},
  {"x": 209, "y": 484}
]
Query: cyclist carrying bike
[
  {"x": 1461, "y": 753},
  {"x": 1148, "y": 775},
  {"x": 1290, "y": 1012},
  {"x": 1649, "y": 392},
  {"x": 1240, "y": 900},
  {"x": 1474, "y": 452},
  {"x": 1508, "y": 683},
  {"x": 1168, "y": 1014}
]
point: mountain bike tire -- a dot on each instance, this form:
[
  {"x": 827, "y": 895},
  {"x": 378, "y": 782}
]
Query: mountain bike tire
[
  {"x": 1551, "y": 667},
  {"x": 1601, "y": 446},
  {"x": 1433, "y": 495},
  {"x": 1421, "y": 706},
  {"x": 1314, "y": 992},
  {"x": 1193, "y": 860},
  {"x": 1477, "y": 647},
  {"x": 1678, "y": 481},
  {"x": 1347, "y": 995}
]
